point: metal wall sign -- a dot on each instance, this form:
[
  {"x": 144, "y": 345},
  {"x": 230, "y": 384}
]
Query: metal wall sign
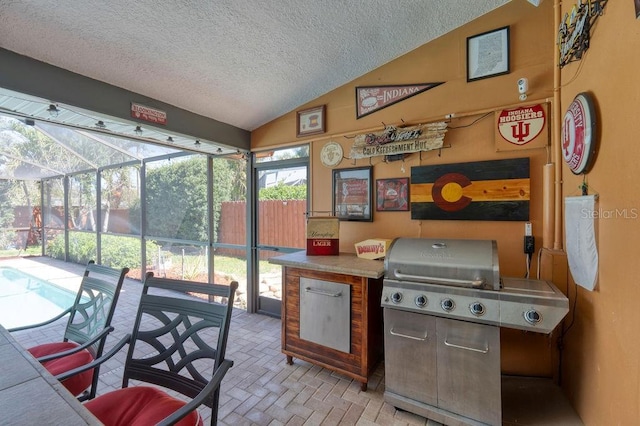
[
  {"x": 399, "y": 140},
  {"x": 575, "y": 30},
  {"x": 579, "y": 134},
  {"x": 524, "y": 127},
  {"x": 370, "y": 99},
  {"x": 147, "y": 113}
]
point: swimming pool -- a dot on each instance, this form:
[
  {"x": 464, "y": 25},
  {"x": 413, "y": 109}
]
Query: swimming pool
[{"x": 25, "y": 299}]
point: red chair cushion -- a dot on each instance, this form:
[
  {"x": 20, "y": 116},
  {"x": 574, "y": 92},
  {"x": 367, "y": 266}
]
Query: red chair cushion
[
  {"x": 138, "y": 406},
  {"x": 76, "y": 384}
]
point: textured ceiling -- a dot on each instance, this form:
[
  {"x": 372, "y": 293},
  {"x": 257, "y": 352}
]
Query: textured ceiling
[{"x": 242, "y": 62}]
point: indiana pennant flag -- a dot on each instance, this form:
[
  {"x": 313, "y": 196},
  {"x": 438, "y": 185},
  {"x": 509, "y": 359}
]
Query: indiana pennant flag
[
  {"x": 370, "y": 99},
  {"x": 482, "y": 190}
]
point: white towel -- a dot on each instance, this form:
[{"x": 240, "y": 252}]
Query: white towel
[{"x": 582, "y": 251}]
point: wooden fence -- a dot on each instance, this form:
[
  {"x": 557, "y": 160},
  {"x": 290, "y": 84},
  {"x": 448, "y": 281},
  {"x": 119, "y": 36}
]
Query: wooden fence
[{"x": 280, "y": 223}]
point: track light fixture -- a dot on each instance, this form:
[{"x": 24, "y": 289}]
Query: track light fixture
[
  {"x": 100, "y": 124},
  {"x": 170, "y": 139},
  {"x": 197, "y": 142},
  {"x": 219, "y": 150},
  {"x": 53, "y": 111},
  {"x": 138, "y": 130}
]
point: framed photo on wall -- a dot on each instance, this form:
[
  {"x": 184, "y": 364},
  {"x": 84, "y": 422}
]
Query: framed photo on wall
[
  {"x": 310, "y": 121},
  {"x": 352, "y": 189},
  {"x": 488, "y": 54},
  {"x": 392, "y": 195}
]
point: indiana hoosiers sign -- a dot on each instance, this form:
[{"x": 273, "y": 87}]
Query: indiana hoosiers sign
[
  {"x": 579, "y": 133},
  {"x": 522, "y": 127}
]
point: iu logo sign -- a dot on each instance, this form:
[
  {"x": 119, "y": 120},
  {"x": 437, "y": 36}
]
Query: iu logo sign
[
  {"x": 578, "y": 134},
  {"x": 521, "y": 125}
]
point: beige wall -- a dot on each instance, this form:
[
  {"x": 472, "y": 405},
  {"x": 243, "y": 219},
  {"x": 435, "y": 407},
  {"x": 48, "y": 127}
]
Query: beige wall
[
  {"x": 602, "y": 374},
  {"x": 600, "y": 361}
]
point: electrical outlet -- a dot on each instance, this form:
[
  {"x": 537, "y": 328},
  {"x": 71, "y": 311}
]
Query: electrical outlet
[
  {"x": 529, "y": 244},
  {"x": 527, "y": 229}
]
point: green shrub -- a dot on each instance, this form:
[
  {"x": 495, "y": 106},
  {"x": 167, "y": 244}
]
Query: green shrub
[
  {"x": 117, "y": 252},
  {"x": 284, "y": 192}
]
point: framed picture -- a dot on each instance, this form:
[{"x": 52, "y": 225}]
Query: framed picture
[
  {"x": 392, "y": 195},
  {"x": 488, "y": 54},
  {"x": 352, "y": 189},
  {"x": 637, "y": 3},
  {"x": 310, "y": 121}
]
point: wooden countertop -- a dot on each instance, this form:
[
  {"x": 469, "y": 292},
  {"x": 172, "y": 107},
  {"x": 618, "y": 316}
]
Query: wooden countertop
[{"x": 344, "y": 263}]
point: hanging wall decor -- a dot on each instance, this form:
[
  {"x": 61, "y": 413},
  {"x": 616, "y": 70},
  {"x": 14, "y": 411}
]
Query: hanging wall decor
[
  {"x": 481, "y": 190},
  {"x": 579, "y": 134},
  {"x": 370, "y": 99},
  {"x": 352, "y": 194},
  {"x": 310, "y": 121},
  {"x": 392, "y": 194},
  {"x": 488, "y": 54},
  {"x": 331, "y": 154},
  {"x": 574, "y": 34},
  {"x": 523, "y": 127},
  {"x": 399, "y": 140}
]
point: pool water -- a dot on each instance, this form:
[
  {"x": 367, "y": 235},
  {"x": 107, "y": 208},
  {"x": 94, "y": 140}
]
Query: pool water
[{"x": 25, "y": 299}]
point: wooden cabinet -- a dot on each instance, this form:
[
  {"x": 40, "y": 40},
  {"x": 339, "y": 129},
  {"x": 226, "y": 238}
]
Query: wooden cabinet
[{"x": 365, "y": 323}]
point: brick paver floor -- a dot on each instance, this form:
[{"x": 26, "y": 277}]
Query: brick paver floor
[{"x": 260, "y": 389}]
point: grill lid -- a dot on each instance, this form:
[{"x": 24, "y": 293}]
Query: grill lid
[{"x": 461, "y": 263}]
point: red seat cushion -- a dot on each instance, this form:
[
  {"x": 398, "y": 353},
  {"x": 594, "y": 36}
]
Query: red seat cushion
[
  {"x": 138, "y": 406},
  {"x": 76, "y": 384}
]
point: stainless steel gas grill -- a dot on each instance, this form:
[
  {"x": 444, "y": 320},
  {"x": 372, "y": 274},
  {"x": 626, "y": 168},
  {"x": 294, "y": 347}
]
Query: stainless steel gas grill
[{"x": 444, "y": 303}]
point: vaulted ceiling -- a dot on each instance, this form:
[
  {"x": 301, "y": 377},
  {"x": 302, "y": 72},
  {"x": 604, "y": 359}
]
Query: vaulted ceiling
[{"x": 241, "y": 62}]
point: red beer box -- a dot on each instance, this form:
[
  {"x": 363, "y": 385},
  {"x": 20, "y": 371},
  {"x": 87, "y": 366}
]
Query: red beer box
[{"x": 323, "y": 236}]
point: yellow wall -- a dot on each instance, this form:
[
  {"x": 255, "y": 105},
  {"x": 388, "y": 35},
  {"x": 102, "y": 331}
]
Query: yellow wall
[
  {"x": 600, "y": 371},
  {"x": 601, "y": 363}
]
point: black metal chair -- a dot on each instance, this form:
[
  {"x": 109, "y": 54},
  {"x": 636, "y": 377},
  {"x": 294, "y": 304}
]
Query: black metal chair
[
  {"x": 170, "y": 347},
  {"x": 86, "y": 331}
]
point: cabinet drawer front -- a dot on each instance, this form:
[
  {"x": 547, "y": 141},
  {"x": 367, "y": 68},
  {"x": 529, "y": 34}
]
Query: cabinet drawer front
[
  {"x": 469, "y": 370},
  {"x": 325, "y": 313},
  {"x": 410, "y": 355}
]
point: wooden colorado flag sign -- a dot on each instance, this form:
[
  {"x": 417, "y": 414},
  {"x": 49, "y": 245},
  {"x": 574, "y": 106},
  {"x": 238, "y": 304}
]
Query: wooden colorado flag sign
[{"x": 482, "y": 190}]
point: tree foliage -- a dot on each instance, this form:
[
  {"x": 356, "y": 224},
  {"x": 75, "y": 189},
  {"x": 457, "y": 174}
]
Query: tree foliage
[
  {"x": 284, "y": 192},
  {"x": 176, "y": 200},
  {"x": 177, "y": 197}
]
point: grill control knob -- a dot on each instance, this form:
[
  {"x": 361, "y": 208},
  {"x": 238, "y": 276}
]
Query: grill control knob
[
  {"x": 421, "y": 301},
  {"x": 477, "y": 309},
  {"x": 532, "y": 316},
  {"x": 448, "y": 305},
  {"x": 396, "y": 297}
]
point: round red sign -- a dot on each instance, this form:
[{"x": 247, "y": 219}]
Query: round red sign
[{"x": 578, "y": 134}]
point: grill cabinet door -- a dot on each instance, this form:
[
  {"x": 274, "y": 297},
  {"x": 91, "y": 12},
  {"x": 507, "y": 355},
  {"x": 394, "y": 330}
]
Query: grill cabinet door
[
  {"x": 410, "y": 355},
  {"x": 469, "y": 370},
  {"x": 325, "y": 313}
]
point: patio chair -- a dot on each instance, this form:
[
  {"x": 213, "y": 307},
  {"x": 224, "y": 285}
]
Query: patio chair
[
  {"x": 86, "y": 331},
  {"x": 169, "y": 348}
]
